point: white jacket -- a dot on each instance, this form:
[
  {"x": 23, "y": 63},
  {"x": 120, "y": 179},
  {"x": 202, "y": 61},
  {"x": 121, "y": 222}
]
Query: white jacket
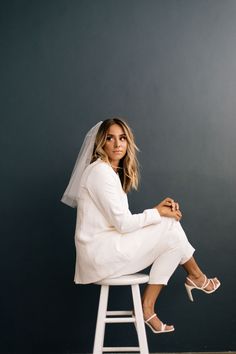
[{"x": 103, "y": 218}]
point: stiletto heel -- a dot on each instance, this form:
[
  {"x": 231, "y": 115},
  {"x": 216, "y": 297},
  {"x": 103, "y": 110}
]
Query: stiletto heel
[
  {"x": 189, "y": 289},
  {"x": 205, "y": 284}
]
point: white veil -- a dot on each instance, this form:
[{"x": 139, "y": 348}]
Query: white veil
[{"x": 83, "y": 160}]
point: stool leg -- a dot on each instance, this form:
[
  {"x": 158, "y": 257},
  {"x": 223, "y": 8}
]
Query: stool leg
[
  {"x": 142, "y": 338},
  {"x": 101, "y": 316}
]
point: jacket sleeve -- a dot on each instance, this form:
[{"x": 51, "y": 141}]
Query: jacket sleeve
[{"x": 105, "y": 189}]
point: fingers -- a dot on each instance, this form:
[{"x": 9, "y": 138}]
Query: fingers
[
  {"x": 165, "y": 210},
  {"x": 178, "y": 215},
  {"x": 171, "y": 203},
  {"x": 178, "y": 212}
]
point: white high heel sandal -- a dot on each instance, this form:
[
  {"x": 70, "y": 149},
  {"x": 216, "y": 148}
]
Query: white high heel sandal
[
  {"x": 206, "y": 282},
  {"x": 163, "y": 326}
]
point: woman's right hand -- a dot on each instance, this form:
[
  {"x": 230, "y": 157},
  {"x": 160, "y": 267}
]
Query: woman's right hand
[{"x": 168, "y": 207}]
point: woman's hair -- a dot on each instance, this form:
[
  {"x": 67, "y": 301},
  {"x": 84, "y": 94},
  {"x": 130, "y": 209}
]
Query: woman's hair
[{"x": 128, "y": 167}]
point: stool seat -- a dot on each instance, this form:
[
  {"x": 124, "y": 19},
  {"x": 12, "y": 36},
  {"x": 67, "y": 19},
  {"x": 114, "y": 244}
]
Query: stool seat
[
  {"x": 125, "y": 280},
  {"x": 135, "y": 317}
]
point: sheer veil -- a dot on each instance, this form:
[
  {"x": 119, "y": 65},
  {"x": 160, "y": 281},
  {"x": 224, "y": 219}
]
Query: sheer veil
[{"x": 83, "y": 160}]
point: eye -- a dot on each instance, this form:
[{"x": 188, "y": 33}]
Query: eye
[
  {"x": 123, "y": 138},
  {"x": 109, "y": 138}
]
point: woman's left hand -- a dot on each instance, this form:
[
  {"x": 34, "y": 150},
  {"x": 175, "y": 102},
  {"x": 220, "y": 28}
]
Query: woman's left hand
[{"x": 171, "y": 203}]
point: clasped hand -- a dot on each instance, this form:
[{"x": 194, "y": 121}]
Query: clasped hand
[{"x": 168, "y": 207}]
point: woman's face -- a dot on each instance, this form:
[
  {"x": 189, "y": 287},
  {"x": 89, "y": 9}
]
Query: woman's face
[{"x": 116, "y": 144}]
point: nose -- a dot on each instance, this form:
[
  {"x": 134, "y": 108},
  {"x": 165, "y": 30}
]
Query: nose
[{"x": 117, "y": 142}]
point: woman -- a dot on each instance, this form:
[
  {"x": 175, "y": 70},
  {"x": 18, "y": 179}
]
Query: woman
[{"x": 110, "y": 240}]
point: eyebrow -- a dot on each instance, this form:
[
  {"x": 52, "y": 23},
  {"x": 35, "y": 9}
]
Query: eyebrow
[{"x": 119, "y": 134}]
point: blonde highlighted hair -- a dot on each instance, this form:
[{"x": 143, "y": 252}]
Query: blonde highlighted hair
[{"x": 128, "y": 166}]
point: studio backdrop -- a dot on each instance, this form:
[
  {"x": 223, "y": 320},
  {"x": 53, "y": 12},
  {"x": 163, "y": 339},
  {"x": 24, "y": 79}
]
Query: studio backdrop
[{"x": 169, "y": 69}]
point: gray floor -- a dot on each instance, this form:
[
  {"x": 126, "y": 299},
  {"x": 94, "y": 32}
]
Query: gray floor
[{"x": 189, "y": 353}]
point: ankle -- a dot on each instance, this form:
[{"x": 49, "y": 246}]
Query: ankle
[{"x": 196, "y": 275}]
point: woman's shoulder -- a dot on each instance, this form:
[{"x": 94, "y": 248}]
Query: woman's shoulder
[
  {"x": 99, "y": 169},
  {"x": 98, "y": 166}
]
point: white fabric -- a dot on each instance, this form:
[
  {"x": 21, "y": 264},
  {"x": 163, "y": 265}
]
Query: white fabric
[
  {"x": 83, "y": 160},
  {"x": 111, "y": 241},
  {"x": 165, "y": 247}
]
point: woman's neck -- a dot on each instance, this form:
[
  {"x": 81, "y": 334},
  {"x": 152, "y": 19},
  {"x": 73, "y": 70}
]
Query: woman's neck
[{"x": 115, "y": 166}]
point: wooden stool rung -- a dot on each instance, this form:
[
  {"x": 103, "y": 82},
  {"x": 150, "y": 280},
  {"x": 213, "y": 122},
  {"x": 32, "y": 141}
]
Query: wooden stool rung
[
  {"x": 119, "y": 313},
  {"x": 121, "y": 349},
  {"x": 120, "y": 320}
]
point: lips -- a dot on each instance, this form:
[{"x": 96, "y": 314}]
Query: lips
[{"x": 117, "y": 151}]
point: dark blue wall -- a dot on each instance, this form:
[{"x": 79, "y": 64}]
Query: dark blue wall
[{"x": 169, "y": 67}]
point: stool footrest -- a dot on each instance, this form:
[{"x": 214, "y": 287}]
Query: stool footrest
[
  {"x": 121, "y": 349},
  {"x": 119, "y": 320},
  {"x": 118, "y": 313}
]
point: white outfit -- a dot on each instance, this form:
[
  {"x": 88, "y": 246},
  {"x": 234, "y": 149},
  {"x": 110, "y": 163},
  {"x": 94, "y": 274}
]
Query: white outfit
[{"x": 110, "y": 241}]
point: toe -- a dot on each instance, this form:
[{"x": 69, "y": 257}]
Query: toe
[
  {"x": 214, "y": 284},
  {"x": 169, "y": 327}
]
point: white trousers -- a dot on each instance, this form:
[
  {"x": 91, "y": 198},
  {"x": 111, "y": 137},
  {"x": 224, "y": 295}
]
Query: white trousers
[{"x": 164, "y": 245}]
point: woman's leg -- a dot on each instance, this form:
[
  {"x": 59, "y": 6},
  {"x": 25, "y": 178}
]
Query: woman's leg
[
  {"x": 172, "y": 249},
  {"x": 149, "y": 297},
  {"x": 162, "y": 269},
  {"x": 152, "y": 291}
]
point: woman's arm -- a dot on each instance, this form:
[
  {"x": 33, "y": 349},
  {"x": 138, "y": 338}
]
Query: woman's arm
[{"x": 105, "y": 190}]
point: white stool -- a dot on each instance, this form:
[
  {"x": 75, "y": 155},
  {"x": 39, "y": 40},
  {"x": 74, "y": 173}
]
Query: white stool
[{"x": 133, "y": 280}]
